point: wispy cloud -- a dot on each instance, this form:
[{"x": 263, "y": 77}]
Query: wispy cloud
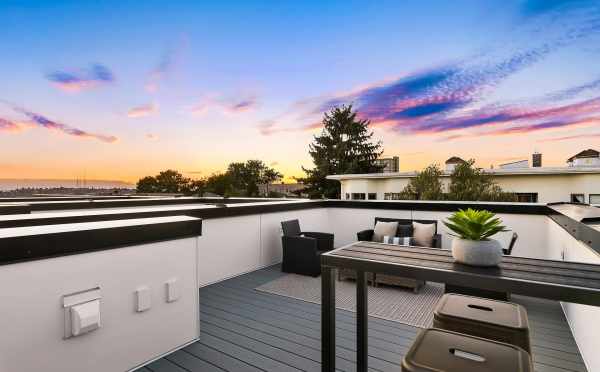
[
  {"x": 9, "y": 126},
  {"x": 231, "y": 105},
  {"x": 567, "y": 138},
  {"x": 169, "y": 60},
  {"x": 452, "y": 96},
  {"x": 151, "y": 137},
  {"x": 575, "y": 91},
  {"x": 270, "y": 127},
  {"x": 143, "y": 110},
  {"x": 40, "y": 121},
  {"x": 82, "y": 79}
]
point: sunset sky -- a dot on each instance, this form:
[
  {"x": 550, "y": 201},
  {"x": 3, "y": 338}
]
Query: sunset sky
[{"x": 121, "y": 89}]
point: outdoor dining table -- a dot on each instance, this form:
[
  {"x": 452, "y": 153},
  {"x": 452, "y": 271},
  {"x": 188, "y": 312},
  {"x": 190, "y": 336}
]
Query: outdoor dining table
[{"x": 554, "y": 280}]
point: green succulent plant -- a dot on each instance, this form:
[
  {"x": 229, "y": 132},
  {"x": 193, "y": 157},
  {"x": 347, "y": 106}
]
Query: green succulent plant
[{"x": 474, "y": 224}]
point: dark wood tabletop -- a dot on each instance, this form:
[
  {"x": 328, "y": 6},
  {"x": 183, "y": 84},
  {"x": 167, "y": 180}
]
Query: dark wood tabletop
[{"x": 556, "y": 280}]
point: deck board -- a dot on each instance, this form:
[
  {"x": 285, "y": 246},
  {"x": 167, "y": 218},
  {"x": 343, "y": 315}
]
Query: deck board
[{"x": 246, "y": 330}]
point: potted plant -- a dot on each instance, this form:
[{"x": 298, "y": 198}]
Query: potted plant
[{"x": 472, "y": 232}]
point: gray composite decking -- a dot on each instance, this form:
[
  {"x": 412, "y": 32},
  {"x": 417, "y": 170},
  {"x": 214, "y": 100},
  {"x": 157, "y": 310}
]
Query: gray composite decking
[{"x": 246, "y": 330}]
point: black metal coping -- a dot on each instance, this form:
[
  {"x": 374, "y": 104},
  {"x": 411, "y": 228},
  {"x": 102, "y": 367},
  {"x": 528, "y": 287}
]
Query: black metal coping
[
  {"x": 36, "y": 198},
  {"x": 442, "y": 206},
  {"x": 14, "y": 208},
  {"x": 39, "y": 242},
  {"x": 56, "y": 205},
  {"x": 94, "y": 215},
  {"x": 574, "y": 218},
  {"x": 133, "y": 209},
  {"x": 199, "y": 211}
]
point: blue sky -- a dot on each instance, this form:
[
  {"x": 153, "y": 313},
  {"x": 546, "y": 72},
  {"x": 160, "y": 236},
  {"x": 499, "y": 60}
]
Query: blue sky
[{"x": 122, "y": 89}]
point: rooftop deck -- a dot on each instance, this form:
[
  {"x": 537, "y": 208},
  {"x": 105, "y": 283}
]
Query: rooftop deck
[{"x": 246, "y": 330}]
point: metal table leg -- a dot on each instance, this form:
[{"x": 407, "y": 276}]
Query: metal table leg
[
  {"x": 362, "y": 317},
  {"x": 327, "y": 319}
]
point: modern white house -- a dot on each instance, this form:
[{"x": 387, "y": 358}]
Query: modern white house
[{"x": 578, "y": 182}]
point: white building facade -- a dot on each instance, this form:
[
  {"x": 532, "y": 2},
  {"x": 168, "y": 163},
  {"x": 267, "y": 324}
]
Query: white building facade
[{"x": 543, "y": 185}]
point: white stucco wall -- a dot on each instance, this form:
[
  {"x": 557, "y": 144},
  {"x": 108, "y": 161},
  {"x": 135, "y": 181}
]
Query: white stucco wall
[
  {"x": 231, "y": 246},
  {"x": 32, "y": 316},
  {"x": 583, "y": 319}
]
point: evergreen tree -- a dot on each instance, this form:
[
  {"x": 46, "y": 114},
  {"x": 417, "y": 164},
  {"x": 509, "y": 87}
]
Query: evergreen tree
[{"x": 344, "y": 146}]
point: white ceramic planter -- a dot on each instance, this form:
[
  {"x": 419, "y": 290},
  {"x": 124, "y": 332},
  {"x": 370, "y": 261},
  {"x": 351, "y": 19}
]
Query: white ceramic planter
[{"x": 477, "y": 252}]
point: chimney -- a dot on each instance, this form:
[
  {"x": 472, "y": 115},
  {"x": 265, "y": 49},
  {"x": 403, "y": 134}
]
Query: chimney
[{"x": 536, "y": 160}]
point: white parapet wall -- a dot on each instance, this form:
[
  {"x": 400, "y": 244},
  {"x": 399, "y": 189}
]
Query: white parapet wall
[
  {"x": 231, "y": 246},
  {"x": 32, "y": 317},
  {"x": 583, "y": 319},
  {"x": 346, "y": 222}
]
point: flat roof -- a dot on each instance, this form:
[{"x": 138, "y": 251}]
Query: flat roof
[{"x": 495, "y": 172}]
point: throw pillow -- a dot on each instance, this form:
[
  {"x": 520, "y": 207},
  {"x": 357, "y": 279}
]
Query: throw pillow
[
  {"x": 424, "y": 233},
  {"x": 384, "y": 228},
  {"x": 405, "y": 230},
  {"x": 407, "y": 241}
]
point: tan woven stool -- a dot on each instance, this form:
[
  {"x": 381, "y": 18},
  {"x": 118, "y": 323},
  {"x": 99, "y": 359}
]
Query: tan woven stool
[
  {"x": 438, "y": 350},
  {"x": 495, "y": 320}
]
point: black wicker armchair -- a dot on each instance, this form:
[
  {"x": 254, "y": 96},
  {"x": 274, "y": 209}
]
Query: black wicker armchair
[{"x": 302, "y": 249}]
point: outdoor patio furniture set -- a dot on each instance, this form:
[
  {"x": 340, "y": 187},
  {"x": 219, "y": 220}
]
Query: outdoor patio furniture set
[{"x": 479, "y": 334}]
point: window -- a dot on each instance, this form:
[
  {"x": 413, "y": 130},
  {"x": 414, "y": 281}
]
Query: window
[
  {"x": 391, "y": 196},
  {"x": 594, "y": 198},
  {"x": 358, "y": 196},
  {"x": 527, "y": 197},
  {"x": 372, "y": 196},
  {"x": 577, "y": 198}
]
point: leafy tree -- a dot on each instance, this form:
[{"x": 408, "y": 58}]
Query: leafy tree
[
  {"x": 344, "y": 146},
  {"x": 219, "y": 183},
  {"x": 468, "y": 182},
  {"x": 147, "y": 184},
  {"x": 246, "y": 177},
  {"x": 240, "y": 179},
  {"x": 426, "y": 185},
  {"x": 171, "y": 181},
  {"x": 168, "y": 181},
  {"x": 195, "y": 187}
]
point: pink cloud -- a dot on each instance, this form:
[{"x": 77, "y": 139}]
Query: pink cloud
[
  {"x": 234, "y": 105},
  {"x": 566, "y": 138},
  {"x": 270, "y": 127},
  {"x": 152, "y": 137},
  {"x": 143, "y": 110},
  {"x": 9, "y": 126},
  {"x": 83, "y": 79},
  {"x": 40, "y": 121}
]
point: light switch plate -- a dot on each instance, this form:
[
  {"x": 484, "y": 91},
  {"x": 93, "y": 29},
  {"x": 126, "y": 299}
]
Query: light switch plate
[
  {"x": 143, "y": 298},
  {"x": 172, "y": 290}
]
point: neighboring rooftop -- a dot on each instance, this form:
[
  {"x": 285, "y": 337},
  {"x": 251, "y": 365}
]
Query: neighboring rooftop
[
  {"x": 517, "y": 171},
  {"x": 454, "y": 160},
  {"x": 585, "y": 154}
]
